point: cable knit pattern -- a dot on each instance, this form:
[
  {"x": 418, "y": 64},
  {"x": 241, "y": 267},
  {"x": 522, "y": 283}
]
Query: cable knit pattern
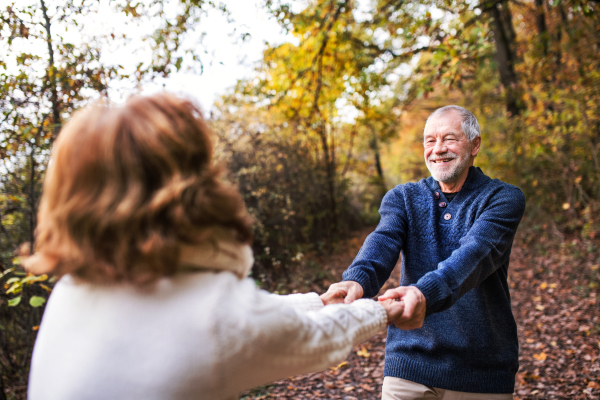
[
  {"x": 199, "y": 335},
  {"x": 301, "y": 301},
  {"x": 457, "y": 254}
]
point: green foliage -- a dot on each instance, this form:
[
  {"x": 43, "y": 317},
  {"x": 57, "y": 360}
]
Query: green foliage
[
  {"x": 45, "y": 75},
  {"x": 36, "y": 301}
]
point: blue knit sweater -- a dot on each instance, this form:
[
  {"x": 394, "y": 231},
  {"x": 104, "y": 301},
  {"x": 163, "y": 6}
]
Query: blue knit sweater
[{"x": 457, "y": 254}]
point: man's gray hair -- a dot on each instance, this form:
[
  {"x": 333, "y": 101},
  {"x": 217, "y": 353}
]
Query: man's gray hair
[{"x": 468, "y": 122}]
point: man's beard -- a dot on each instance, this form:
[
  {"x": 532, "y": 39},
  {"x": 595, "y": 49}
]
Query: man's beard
[{"x": 450, "y": 173}]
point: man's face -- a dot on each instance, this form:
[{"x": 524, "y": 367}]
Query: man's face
[{"x": 447, "y": 150}]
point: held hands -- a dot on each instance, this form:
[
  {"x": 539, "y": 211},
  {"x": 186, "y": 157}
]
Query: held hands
[
  {"x": 414, "y": 306},
  {"x": 394, "y": 310},
  {"x": 342, "y": 292},
  {"x": 405, "y": 306}
]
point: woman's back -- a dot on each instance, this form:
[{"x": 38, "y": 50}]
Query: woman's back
[{"x": 135, "y": 345}]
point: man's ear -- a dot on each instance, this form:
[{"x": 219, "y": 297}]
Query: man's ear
[{"x": 476, "y": 144}]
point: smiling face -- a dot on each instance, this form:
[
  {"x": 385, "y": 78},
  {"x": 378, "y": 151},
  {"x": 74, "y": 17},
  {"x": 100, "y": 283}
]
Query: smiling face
[{"x": 448, "y": 152}]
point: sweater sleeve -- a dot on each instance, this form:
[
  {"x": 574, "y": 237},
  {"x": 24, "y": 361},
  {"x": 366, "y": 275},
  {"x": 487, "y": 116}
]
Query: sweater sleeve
[
  {"x": 261, "y": 339},
  {"x": 379, "y": 253},
  {"x": 481, "y": 251},
  {"x": 300, "y": 301}
]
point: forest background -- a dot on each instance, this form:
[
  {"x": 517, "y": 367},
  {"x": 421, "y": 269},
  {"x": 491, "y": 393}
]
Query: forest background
[{"x": 326, "y": 125}]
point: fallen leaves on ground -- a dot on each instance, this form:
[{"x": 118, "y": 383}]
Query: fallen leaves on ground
[
  {"x": 558, "y": 317},
  {"x": 556, "y": 306}
]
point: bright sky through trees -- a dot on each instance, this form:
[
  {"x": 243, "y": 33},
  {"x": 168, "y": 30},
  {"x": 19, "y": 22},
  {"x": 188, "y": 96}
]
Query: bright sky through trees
[
  {"x": 229, "y": 58},
  {"x": 228, "y": 53}
]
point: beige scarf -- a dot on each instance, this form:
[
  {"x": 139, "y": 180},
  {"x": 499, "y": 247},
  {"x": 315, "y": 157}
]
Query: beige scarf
[{"x": 218, "y": 255}]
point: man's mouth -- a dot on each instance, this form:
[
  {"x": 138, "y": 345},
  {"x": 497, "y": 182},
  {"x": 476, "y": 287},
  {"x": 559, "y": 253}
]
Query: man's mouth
[{"x": 442, "y": 160}]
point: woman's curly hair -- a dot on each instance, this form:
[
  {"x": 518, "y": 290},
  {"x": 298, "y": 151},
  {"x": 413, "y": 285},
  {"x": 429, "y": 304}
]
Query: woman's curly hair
[{"x": 126, "y": 186}]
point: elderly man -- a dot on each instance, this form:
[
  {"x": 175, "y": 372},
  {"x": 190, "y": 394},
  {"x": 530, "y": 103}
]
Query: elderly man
[{"x": 457, "y": 338}]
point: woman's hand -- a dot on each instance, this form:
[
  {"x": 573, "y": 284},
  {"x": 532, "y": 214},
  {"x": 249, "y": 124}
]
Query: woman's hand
[
  {"x": 415, "y": 306},
  {"x": 334, "y": 296},
  {"x": 342, "y": 292},
  {"x": 394, "y": 310}
]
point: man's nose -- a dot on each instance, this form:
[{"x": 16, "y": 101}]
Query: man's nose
[{"x": 440, "y": 147}]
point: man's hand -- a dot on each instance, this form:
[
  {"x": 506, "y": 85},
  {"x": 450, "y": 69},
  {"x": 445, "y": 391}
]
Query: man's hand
[
  {"x": 414, "y": 306},
  {"x": 393, "y": 309},
  {"x": 342, "y": 292}
]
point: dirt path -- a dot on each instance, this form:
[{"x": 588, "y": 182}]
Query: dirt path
[{"x": 555, "y": 303}]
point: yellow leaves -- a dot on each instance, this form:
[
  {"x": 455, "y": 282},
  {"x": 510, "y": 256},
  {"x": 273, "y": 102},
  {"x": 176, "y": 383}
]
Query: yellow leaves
[
  {"x": 35, "y": 328},
  {"x": 546, "y": 285},
  {"x": 342, "y": 365},
  {"x": 594, "y": 285},
  {"x": 46, "y": 288},
  {"x": 539, "y": 307},
  {"x": 363, "y": 353},
  {"x": 30, "y": 278},
  {"x": 566, "y": 206},
  {"x": 14, "y": 288},
  {"x": 540, "y": 356}
]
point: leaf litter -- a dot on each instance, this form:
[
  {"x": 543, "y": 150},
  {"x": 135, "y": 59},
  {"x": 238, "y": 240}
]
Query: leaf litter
[{"x": 554, "y": 292}]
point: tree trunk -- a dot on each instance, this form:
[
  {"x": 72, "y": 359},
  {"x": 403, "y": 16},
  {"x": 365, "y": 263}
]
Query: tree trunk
[
  {"x": 32, "y": 198},
  {"x": 505, "y": 57},
  {"x": 374, "y": 145},
  {"x": 51, "y": 74},
  {"x": 2, "y": 393},
  {"x": 330, "y": 171},
  {"x": 540, "y": 23}
]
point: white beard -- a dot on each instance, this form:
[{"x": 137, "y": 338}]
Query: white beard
[{"x": 450, "y": 173}]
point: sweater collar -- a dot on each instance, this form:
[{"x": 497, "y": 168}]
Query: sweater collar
[
  {"x": 217, "y": 255},
  {"x": 475, "y": 178}
]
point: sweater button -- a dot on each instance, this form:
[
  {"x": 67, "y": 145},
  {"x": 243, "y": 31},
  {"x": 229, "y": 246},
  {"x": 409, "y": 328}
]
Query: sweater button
[
  {"x": 436, "y": 195},
  {"x": 443, "y": 204},
  {"x": 447, "y": 216}
]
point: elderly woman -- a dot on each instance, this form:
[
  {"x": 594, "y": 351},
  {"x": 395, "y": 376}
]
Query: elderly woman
[{"x": 153, "y": 253}]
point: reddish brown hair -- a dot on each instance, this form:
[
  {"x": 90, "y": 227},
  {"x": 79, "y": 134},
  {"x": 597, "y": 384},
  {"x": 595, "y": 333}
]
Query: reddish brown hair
[{"x": 127, "y": 186}]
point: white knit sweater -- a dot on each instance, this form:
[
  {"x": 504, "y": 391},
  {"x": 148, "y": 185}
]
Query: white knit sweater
[{"x": 206, "y": 333}]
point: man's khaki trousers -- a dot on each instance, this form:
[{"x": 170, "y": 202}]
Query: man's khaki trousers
[{"x": 401, "y": 389}]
